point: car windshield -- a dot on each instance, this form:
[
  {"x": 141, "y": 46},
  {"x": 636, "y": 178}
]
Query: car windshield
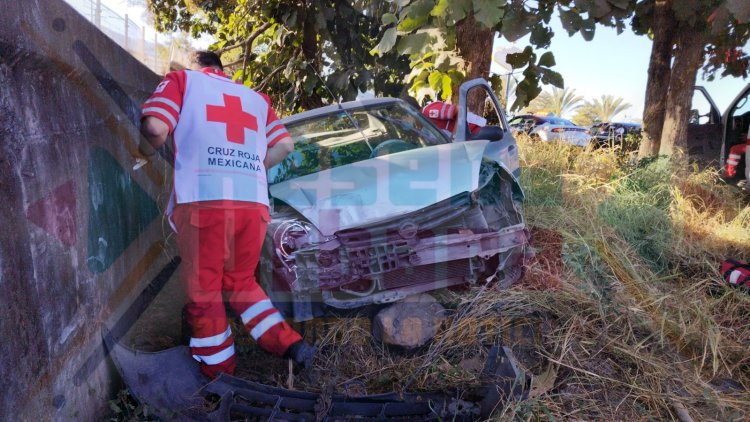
[{"x": 347, "y": 136}]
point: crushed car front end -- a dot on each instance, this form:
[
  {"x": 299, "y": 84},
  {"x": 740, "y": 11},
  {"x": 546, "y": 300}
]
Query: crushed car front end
[
  {"x": 377, "y": 229},
  {"x": 472, "y": 237}
]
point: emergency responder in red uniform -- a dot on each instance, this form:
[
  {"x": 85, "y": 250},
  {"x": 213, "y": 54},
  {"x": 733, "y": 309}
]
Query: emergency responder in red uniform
[
  {"x": 225, "y": 136},
  {"x": 736, "y": 153},
  {"x": 445, "y": 115}
]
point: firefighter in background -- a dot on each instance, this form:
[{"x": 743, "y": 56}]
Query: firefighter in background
[
  {"x": 736, "y": 153},
  {"x": 445, "y": 115},
  {"x": 225, "y": 135}
]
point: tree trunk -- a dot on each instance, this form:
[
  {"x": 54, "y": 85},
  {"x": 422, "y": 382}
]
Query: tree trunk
[
  {"x": 659, "y": 72},
  {"x": 474, "y": 44},
  {"x": 688, "y": 58}
]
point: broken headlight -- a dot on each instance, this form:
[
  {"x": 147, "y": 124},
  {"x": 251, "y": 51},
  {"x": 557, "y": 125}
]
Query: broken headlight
[{"x": 293, "y": 235}]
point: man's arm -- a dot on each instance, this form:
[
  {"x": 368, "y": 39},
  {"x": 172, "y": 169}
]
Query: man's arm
[
  {"x": 155, "y": 132},
  {"x": 278, "y": 152},
  {"x": 161, "y": 112},
  {"x": 280, "y": 144}
]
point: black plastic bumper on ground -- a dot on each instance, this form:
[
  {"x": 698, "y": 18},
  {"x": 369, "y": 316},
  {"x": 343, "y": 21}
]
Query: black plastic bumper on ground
[{"x": 169, "y": 383}]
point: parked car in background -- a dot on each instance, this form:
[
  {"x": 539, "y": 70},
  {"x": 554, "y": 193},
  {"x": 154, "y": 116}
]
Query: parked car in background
[
  {"x": 613, "y": 133},
  {"x": 376, "y": 203},
  {"x": 551, "y": 128}
]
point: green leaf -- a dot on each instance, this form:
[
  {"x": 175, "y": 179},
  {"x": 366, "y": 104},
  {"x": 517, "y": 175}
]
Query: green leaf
[
  {"x": 488, "y": 12},
  {"x": 389, "y": 18},
  {"x": 420, "y": 8},
  {"x": 519, "y": 60},
  {"x": 541, "y": 36},
  {"x": 413, "y": 43},
  {"x": 458, "y": 9},
  {"x": 547, "y": 59},
  {"x": 551, "y": 77},
  {"x": 409, "y": 24},
  {"x": 436, "y": 80},
  {"x": 571, "y": 21},
  {"x": 600, "y": 9},
  {"x": 440, "y": 9},
  {"x": 447, "y": 87},
  {"x": 527, "y": 90},
  {"x": 588, "y": 28},
  {"x": 310, "y": 83},
  {"x": 514, "y": 26},
  {"x": 420, "y": 84},
  {"x": 386, "y": 43}
]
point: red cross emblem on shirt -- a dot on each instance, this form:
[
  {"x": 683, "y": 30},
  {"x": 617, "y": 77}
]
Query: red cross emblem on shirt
[{"x": 232, "y": 115}]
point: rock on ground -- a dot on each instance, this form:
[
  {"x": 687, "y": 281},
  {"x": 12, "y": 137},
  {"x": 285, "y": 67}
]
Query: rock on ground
[{"x": 410, "y": 323}]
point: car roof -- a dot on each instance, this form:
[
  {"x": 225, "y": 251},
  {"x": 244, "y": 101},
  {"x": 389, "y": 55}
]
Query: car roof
[
  {"x": 628, "y": 124},
  {"x": 541, "y": 118},
  {"x": 329, "y": 109}
]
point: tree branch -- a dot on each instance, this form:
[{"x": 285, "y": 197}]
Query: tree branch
[
  {"x": 267, "y": 79},
  {"x": 248, "y": 40},
  {"x": 246, "y": 54}
]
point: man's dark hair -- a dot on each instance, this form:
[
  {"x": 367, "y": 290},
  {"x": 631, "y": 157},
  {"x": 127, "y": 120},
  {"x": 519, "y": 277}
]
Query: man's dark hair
[{"x": 207, "y": 59}]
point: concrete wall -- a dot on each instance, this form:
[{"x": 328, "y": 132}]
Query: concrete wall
[{"x": 82, "y": 232}]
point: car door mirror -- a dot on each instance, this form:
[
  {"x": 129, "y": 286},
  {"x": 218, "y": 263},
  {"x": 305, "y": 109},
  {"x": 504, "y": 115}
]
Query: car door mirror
[{"x": 490, "y": 133}]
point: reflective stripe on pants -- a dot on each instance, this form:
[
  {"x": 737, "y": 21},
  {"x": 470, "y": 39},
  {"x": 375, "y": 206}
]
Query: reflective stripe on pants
[{"x": 736, "y": 153}]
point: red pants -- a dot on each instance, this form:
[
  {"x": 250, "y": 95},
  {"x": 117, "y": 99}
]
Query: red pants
[
  {"x": 220, "y": 248},
  {"x": 735, "y": 155}
]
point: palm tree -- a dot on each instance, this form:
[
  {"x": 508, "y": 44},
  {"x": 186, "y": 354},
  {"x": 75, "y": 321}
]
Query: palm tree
[
  {"x": 586, "y": 115},
  {"x": 603, "y": 109},
  {"x": 558, "y": 102}
]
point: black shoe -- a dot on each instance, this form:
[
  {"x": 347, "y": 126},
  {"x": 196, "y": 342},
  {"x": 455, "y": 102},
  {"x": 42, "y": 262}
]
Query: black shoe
[{"x": 301, "y": 353}]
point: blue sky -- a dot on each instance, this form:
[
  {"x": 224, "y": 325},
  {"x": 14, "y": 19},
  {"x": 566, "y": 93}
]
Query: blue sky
[{"x": 616, "y": 65}]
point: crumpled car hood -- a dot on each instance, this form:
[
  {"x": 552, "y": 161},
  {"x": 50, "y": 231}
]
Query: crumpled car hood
[{"x": 378, "y": 189}]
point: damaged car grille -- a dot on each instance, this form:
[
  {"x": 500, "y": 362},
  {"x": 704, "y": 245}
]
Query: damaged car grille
[
  {"x": 450, "y": 242},
  {"x": 389, "y": 246}
]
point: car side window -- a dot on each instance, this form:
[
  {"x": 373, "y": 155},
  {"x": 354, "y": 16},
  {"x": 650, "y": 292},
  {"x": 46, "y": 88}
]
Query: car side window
[{"x": 700, "y": 111}]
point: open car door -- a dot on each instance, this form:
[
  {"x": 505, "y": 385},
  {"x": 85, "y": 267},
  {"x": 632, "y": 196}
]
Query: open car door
[
  {"x": 736, "y": 125},
  {"x": 494, "y": 125},
  {"x": 705, "y": 129},
  {"x": 711, "y": 135}
]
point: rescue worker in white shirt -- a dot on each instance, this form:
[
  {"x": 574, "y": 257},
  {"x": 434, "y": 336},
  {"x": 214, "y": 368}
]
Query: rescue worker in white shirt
[{"x": 225, "y": 136}]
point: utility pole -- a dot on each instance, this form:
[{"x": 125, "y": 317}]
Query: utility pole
[
  {"x": 98, "y": 14},
  {"x": 156, "y": 51}
]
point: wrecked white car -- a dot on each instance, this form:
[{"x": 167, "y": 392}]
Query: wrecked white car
[{"x": 375, "y": 203}]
